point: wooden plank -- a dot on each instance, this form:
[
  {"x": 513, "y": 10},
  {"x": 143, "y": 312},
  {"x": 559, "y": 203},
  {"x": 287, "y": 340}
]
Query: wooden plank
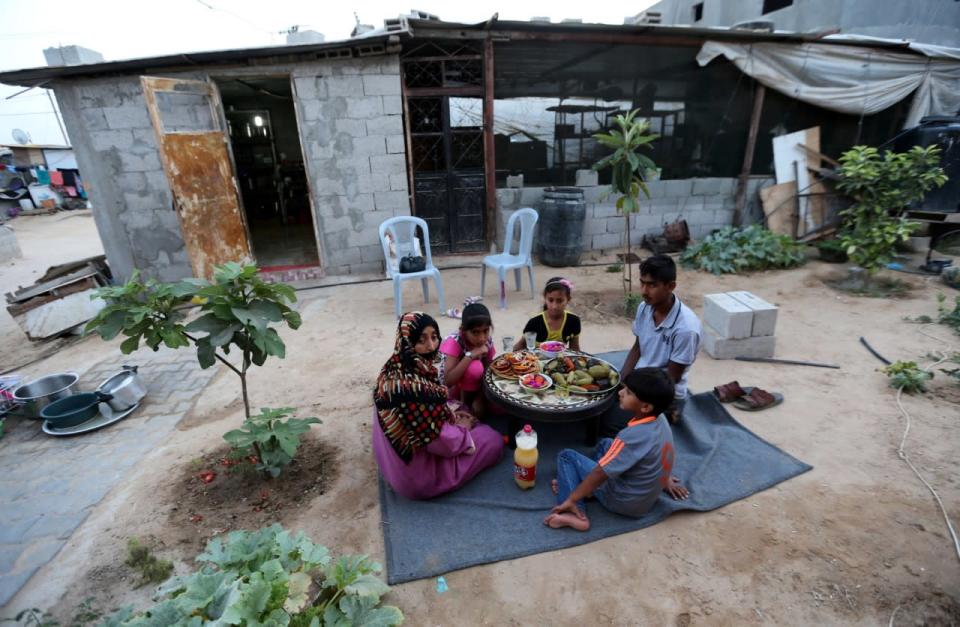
[
  {"x": 780, "y": 207},
  {"x": 741, "y": 197},
  {"x": 817, "y": 201},
  {"x": 819, "y": 155}
]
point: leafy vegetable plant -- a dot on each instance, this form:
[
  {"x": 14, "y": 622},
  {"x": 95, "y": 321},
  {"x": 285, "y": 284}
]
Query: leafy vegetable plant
[
  {"x": 909, "y": 376},
  {"x": 272, "y": 437},
  {"x": 731, "y": 250},
  {"x": 270, "y": 577}
]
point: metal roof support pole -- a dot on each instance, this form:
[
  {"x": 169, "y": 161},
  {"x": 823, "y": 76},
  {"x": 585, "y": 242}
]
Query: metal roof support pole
[
  {"x": 489, "y": 158},
  {"x": 741, "y": 197}
]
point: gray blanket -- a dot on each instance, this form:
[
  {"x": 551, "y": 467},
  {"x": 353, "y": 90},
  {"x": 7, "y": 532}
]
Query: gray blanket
[{"x": 490, "y": 519}]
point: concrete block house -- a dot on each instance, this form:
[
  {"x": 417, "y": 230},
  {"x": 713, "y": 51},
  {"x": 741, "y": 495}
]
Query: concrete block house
[{"x": 293, "y": 155}]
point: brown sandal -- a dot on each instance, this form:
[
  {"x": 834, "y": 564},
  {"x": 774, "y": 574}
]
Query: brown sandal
[
  {"x": 758, "y": 399},
  {"x": 729, "y": 392}
]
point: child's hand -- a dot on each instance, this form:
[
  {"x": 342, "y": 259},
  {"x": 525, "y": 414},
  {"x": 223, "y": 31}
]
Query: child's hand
[
  {"x": 676, "y": 490},
  {"x": 464, "y": 419},
  {"x": 568, "y": 507}
]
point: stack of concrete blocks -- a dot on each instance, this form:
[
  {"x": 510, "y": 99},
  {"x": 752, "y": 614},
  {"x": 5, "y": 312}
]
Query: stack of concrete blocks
[{"x": 738, "y": 324}]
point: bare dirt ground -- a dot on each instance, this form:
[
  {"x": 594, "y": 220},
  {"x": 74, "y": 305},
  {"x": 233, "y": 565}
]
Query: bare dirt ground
[{"x": 851, "y": 542}]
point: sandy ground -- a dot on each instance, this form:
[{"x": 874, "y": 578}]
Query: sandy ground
[{"x": 848, "y": 543}]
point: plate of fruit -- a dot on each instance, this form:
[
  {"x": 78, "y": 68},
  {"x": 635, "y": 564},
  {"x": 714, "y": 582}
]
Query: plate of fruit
[
  {"x": 582, "y": 374},
  {"x": 535, "y": 382}
]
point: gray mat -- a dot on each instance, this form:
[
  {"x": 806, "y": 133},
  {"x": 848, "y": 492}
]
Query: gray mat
[{"x": 490, "y": 519}]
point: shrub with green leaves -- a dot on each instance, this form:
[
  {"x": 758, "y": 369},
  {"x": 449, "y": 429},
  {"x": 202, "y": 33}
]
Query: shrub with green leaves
[
  {"x": 271, "y": 436},
  {"x": 269, "y": 577},
  {"x": 909, "y": 376},
  {"x": 731, "y": 250},
  {"x": 629, "y": 167},
  {"x": 237, "y": 310},
  {"x": 149, "y": 566},
  {"x": 882, "y": 186}
]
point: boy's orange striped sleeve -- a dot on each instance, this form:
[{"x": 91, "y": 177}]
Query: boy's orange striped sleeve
[{"x": 612, "y": 452}]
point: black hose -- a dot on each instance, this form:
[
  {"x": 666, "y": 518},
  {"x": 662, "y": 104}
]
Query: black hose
[{"x": 873, "y": 352}]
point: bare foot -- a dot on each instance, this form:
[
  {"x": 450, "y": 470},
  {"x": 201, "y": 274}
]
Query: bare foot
[
  {"x": 555, "y": 486},
  {"x": 556, "y": 521}
]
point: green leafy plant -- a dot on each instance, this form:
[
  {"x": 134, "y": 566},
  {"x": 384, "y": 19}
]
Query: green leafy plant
[
  {"x": 273, "y": 437},
  {"x": 909, "y": 376},
  {"x": 881, "y": 187},
  {"x": 615, "y": 268},
  {"x": 151, "y": 569},
  {"x": 630, "y": 304},
  {"x": 832, "y": 251},
  {"x": 270, "y": 577},
  {"x": 629, "y": 168},
  {"x": 946, "y": 315},
  {"x": 86, "y": 613},
  {"x": 237, "y": 310},
  {"x": 731, "y": 250}
]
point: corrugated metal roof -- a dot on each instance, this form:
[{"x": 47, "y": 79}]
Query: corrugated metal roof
[
  {"x": 370, "y": 44},
  {"x": 408, "y": 26}
]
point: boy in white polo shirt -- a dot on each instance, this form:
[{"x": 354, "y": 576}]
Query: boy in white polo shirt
[{"x": 668, "y": 334}]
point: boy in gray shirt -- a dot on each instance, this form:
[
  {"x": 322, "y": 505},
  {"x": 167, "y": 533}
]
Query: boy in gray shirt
[
  {"x": 668, "y": 335},
  {"x": 627, "y": 473}
]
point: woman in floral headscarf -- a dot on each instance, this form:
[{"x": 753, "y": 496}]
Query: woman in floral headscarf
[{"x": 424, "y": 445}]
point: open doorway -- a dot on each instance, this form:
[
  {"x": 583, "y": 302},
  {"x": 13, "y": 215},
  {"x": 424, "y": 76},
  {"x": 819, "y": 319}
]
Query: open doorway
[{"x": 265, "y": 141}]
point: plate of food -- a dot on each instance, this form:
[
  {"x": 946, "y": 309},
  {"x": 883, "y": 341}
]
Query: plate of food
[
  {"x": 582, "y": 374},
  {"x": 535, "y": 382},
  {"x": 514, "y": 365}
]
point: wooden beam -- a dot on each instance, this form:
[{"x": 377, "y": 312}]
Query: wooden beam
[
  {"x": 432, "y": 92},
  {"x": 489, "y": 157},
  {"x": 408, "y": 142},
  {"x": 741, "y": 197}
]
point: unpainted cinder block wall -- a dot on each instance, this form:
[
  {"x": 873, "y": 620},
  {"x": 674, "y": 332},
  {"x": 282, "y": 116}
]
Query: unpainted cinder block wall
[{"x": 351, "y": 131}]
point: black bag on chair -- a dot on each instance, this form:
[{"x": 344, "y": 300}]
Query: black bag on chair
[{"x": 411, "y": 263}]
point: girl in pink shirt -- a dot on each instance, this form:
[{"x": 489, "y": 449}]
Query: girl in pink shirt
[{"x": 466, "y": 354}]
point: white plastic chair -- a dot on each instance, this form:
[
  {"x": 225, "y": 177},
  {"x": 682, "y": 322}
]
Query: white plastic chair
[
  {"x": 509, "y": 261},
  {"x": 403, "y": 231}
]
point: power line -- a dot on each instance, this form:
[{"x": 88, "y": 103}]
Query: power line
[{"x": 234, "y": 15}]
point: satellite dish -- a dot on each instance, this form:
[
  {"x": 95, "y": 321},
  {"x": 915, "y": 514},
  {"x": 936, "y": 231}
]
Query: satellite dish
[{"x": 21, "y": 136}]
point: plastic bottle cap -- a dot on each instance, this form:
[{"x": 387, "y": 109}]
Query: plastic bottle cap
[{"x": 527, "y": 428}]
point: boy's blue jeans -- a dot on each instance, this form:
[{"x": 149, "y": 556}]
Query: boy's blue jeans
[{"x": 573, "y": 467}]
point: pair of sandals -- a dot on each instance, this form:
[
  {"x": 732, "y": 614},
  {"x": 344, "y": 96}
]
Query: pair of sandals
[
  {"x": 747, "y": 398},
  {"x": 456, "y": 312}
]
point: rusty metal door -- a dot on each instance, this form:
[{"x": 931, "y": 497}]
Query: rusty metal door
[{"x": 195, "y": 153}]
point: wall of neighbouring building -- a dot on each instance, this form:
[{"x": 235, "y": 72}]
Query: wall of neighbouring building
[
  {"x": 706, "y": 204},
  {"x": 351, "y": 131},
  {"x": 927, "y": 21}
]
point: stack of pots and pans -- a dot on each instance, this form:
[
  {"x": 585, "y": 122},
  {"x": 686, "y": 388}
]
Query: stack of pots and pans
[{"x": 55, "y": 399}]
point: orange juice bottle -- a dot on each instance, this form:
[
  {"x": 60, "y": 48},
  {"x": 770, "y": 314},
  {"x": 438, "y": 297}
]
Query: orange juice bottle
[{"x": 525, "y": 458}]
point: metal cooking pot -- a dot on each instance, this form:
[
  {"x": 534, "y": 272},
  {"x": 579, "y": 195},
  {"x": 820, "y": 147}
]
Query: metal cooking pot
[
  {"x": 73, "y": 410},
  {"x": 125, "y": 387},
  {"x": 32, "y": 397}
]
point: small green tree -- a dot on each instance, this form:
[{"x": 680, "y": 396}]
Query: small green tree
[
  {"x": 237, "y": 310},
  {"x": 628, "y": 167},
  {"x": 882, "y": 187}
]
